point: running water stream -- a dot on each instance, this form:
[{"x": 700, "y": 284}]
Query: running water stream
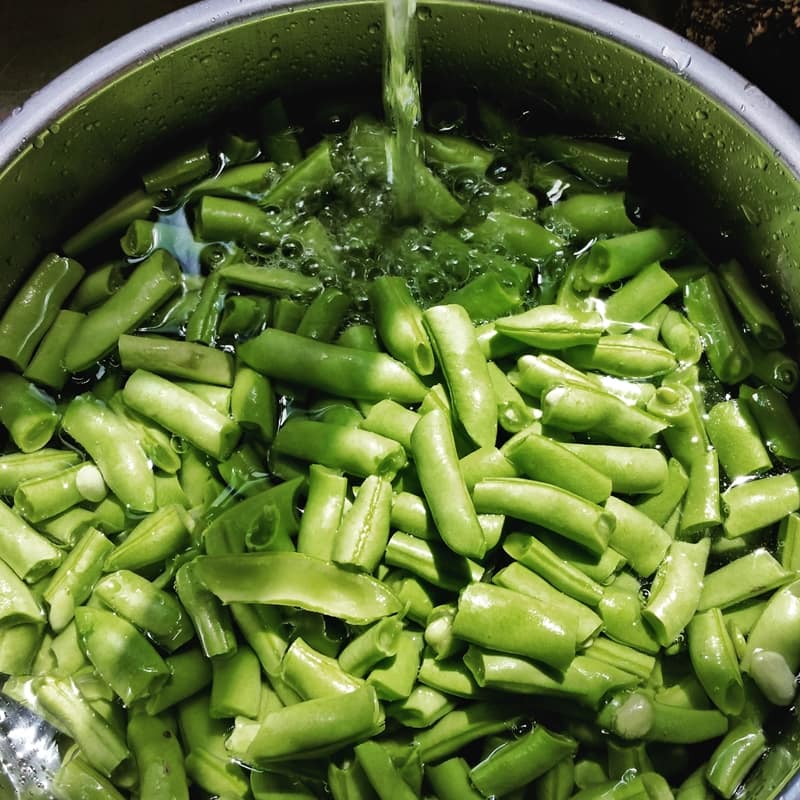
[{"x": 402, "y": 105}]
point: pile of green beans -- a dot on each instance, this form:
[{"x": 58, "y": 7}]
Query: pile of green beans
[{"x": 504, "y": 503}]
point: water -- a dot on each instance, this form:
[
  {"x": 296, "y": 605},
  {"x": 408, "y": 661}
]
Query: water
[{"x": 402, "y": 104}]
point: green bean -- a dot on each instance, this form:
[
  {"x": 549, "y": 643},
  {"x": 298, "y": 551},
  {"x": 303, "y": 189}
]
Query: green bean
[
  {"x": 609, "y": 260},
  {"x": 183, "y": 168},
  {"x": 384, "y": 777},
  {"x": 490, "y": 462},
  {"x": 641, "y": 541},
  {"x": 580, "y": 409},
  {"x": 553, "y": 327},
  {"x": 734, "y": 757},
  {"x": 779, "y": 429},
  {"x": 150, "y": 609},
  {"x": 626, "y": 356},
  {"x": 359, "y": 337},
  {"x": 395, "y": 679},
  {"x": 27, "y": 413},
  {"x": 76, "y": 778},
  {"x": 517, "y": 235},
  {"x": 571, "y": 516},
  {"x": 27, "y": 552},
  {"x": 99, "y": 742},
  {"x": 788, "y": 541},
  {"x": 708, "y": 310},
  {"x": 155, "y": 747},
  {"x": 337, "y": 370},
  {"x": 520, "y": 579},
  {"x": 312, "y": 674},
  {"x": 243, "y": 180},
  {"x": 324, "y": 315},
  {"x": 18, "y": 467},
  {"x": 450, "y": 780},
  {"x": 543, "y": 561},
  {"x": 399, "y": 323},
  {"x": 489, "y": 295},
  {"x": 224, "y": 219},
  {"x": 650, "y": 326},
  {"x": 515, "y": 764},
  {"x": 760, "y": 320},
  {"x": 465, "y": 371},
  {"x": 431, "y": 561},
  {"x": 322, "y": 513},
  {"x": 316, "y": 727},
  {"x": 620, "y": 655},
  {"x": 284, "y": 579},
  {"x": 758, "y": 503},
  {"x": 348, "y": 782},
  {"x": 311, "y": 174},
  {"x": 39, "y": 498},
  {"x": 595, "y": 161},
  {"x": 186, "y": 360},
  {"x": 422, "y": 708},
  {"x": 733, "y": 432},
  {"x": 676, "y": 591},
  {"x": 701, "y": 505},
  {"x": 451, "y": 507},
  {"x": 46, "y": 367},
  {"x": 632, "y": 470},
  {"x": 352, "y": 450},
  {"x": 686, "y": 436},
  {"x": 244, "y": 316},
  {"x": 392, "y": 420},
  {"x": 140, "y": 238},
  {"x": 413, "y": 594},
  {"x": 35, "y": 307},
  {"x": 637, "y": 298},
  {"x": 363, "y": 533},
  {"x": 775, "y": 368},
  {"x": 202, "y": 325},
  {"x": 271, "y": 786},
  {"x": 621, "y": 611},
  {"x": 513, "y": 413},
  {"x": 277, "y": 137},
  {"x": 151, "y": 282},
  {"x": 587, "y": 215},
  {"x": 236, "y": 684},
  {"x": 681, "y": 337},
  {"x": 494, "y": 617}
]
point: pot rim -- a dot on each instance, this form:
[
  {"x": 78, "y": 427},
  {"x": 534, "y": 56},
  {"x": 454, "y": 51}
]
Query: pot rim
[{"x": 738, "y": 96}]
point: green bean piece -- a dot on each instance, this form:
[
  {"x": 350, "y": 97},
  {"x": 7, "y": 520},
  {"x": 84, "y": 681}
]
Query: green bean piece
[
  {"x": 359, "y": 337},
  {"x": 18, "y": 605},
  {"x": 520, "y": 579},
  {"x": 734, "y": 757},
  {"x": 122, "y": 656},
  {"x": 450, "y": 780},
  {"x": 27, "y": 413},
  {"x": 422, "y": 708},
  {"x": 734, "y": 433},
  {"x": 202, "y": 325},
  {"x": 446, "y": 150},
  {"x": 681, "y": 337},
  {"x": 278, "y": 138},
  {"x": 253, "y": 403},
  {"x": 715, "y": 662},
  {"x": 312, "y": 174},
  {"x": 399, "y": 323},
  {"x": 580, "y": 409},
  {"x": 336, "y": 370},
  {"x": 515, "y": 764},
  {"x": 557, "y": 782},
  {"x": 637, "y": 298},
  {"x": 686, "y": 435},
  {"x": 183, "y": 168},
  {"x": 287, "y": 315},
  {"x": 543, "y": 459},
  {"x": 182, "y": 413},
  {"x": 140, "y": 238},
  {"x": 758, "y": 503},
  {"x": 316, "y": 727},
  {"x": 489, "y": 462},
  {"x": 708, "y": 310},
  {"x": 650, "y": 326},
  {"x": 18, "y": 467},
  {"x": 493, "y": 617},
  {"x": 155, "y": 747},
  {"x": 19, "y": 646},
  {"x": 395, "y": 679},
  {"x": 244, "y": 315},
  {"x": 661, "y": 505},
  {"x": 277, "y": 281},
  {"x": 39, "y": 498},
  {"x": 76, "y": 778},
  {"x": 788, "y": 542},
  {"x": 586, "y": 679},
  {"x": 517, "y": 235},
  {"x": 701, "y": 505},
  {"x": 384, "y": 777},
  {"x": 569, "y": 515},
  {"x": 186, "y": 360},
  {"x": 323, "y": 511},
  {"x": 432, "y": 562},
  {"x": 413, "y": 594},
  {"x": 621, "y": 611},
  {"x": 100, "y": 743},
  {"x": 363, "y": 533},
  {"x": 587, "y": 215},
  {"x": 544, "y": 562},
  {"x": 236, "y": 684},
  {"x": 552, "y": 327},
  {"x": 675, "y": 595},
  {"x": 390, "y": 419},
  {"x": 641, "y": 541},
  {"x": 758, "y": 317},
  {"x": 450, "y": 676},
  {"x": 348, "y": 782},
  {"x": 224, "y": 219},
  {"x": 378, "y": 642},
  {"x": 155, "y": 612},
  {"x": 243, "y": 180},
  {"x": 312, "y": 674},
  {"x": 491, "y": 294},
  {"x": 26, "y": 551},
  {"x": 779, "y": 429},
  {"x": 46, "y": 366},
  {"x": 35, "y": 307},
  {"x": 513, "y": 413},
  {"x": 625, "y": 356},
  {"x": 261, "y": 628},
  {"x": 465, "y": 370},
  {"x": 462, "y": 726},
  {"x": 324, "y": 315},
  {"x": 151, "y": 282},
  {"x": 610, "y": 260},
  {"x": 775, "y": 368},
  {"x": 632, "y": 470},
  {"x": 271, "y": 786},
  {"x": 451, "y": 507},
  {"x": 597, "y": 162},
  {"x": 155, "y": 538},
  {"x": 355, "y": 451},
  {"x": 281, "y": 578}
]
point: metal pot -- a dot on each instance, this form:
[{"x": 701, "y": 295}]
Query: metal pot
[{"x": 734, "y": 153}]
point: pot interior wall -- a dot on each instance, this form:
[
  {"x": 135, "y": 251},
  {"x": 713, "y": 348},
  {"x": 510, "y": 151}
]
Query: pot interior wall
[{"x": 729, "y": 180}]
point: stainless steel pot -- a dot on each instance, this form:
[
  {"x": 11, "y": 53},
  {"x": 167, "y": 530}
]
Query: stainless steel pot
[{"x": 734, "y": 152}]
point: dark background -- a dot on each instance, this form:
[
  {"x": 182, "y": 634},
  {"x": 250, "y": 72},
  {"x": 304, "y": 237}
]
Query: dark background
[{"x": 38, "y": 40}]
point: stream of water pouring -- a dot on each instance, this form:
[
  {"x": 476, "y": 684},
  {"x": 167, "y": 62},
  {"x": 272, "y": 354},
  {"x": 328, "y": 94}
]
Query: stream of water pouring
[{"x": 402, "y": 105}]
